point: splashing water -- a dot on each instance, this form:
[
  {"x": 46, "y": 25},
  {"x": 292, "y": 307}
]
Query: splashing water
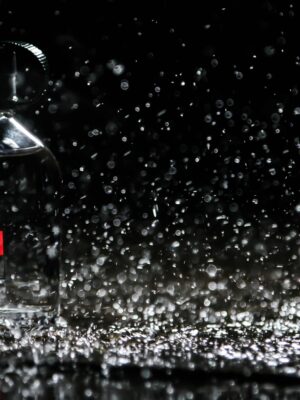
[{"x": 180, "y": 211}]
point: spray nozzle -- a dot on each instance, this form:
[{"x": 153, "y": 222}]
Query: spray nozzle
[{"x": 23, "y": 74}]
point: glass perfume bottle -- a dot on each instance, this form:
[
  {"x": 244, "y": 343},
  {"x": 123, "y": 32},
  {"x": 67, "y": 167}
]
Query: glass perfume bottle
[{"x": 29, "y": 193}]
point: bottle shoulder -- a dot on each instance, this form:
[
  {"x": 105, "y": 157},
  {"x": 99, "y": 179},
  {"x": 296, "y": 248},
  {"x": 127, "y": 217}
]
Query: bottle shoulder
[{"x": 15, "y": 139}]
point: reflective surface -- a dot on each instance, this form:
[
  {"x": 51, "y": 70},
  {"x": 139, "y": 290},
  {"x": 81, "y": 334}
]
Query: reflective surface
[
  {"x": 40, "y": 383},
  {"x": 107, "y": 361}
]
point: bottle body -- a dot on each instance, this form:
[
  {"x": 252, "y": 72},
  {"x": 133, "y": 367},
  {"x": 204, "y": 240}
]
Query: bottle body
[{"x": 29, "y": 223}]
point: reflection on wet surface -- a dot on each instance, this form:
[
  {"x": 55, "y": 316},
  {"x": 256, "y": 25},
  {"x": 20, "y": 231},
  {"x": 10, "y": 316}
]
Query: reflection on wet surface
[
  {"x": 112, "y": 361},
  {"x": 89, "y": 382},
  {"x": 39, "y": 383}
]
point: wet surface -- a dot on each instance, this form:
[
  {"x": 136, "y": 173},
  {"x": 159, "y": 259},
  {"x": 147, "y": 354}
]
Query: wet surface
[
  {"x": 155, "y": 357},
  {"x": 86, "y": 383},
  {"x": 181, "y": 362},
  {"x": 263, "y": 348}
]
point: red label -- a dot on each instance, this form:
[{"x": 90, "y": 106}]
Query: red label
[{"x": 1, "y": 244}]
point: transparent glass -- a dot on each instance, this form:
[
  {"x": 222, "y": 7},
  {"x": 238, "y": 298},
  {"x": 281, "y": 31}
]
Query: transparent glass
[{"x": 29, "y": 223}]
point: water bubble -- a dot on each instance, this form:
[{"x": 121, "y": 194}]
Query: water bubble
[
  {"x": 118, "y": 69},
  {"x": 238, "y": 74},
  {"x": 211, "y": 270},
  {"x": 297, "y": 111},
  {"x": 269, "y": 51},
  {"x": 124, "y": 84},
  {"x": 207, "y": 198}
]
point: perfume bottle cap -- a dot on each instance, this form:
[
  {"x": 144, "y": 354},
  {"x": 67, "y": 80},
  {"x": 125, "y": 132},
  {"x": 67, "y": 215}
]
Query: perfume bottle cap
[{"x": 23, "y": 74}]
